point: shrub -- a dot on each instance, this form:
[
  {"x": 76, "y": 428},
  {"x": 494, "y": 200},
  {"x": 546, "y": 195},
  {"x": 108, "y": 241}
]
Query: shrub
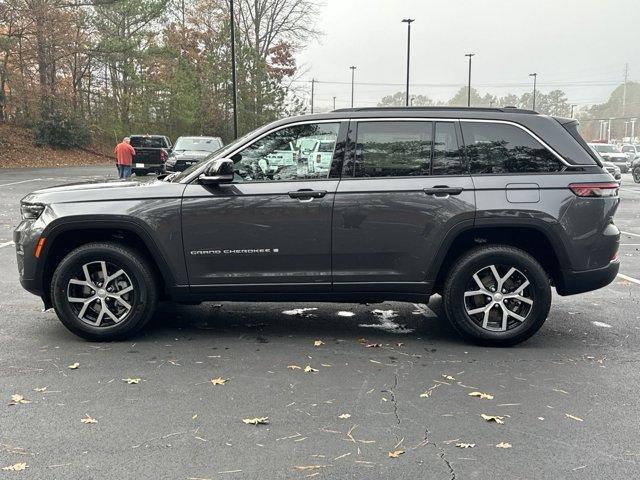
[{"x": 60, "y": 128}]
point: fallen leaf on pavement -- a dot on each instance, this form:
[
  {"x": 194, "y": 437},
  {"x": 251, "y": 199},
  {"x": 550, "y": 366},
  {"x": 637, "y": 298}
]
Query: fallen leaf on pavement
[
  {"x": 493, "y": 418},
  {"x": 256, "y": 421},
  {"x": 395, "y": 453},
  {"x": 218, "y": 381},
  {"x": 318, "y": 343},
  {"x": 344, "y": 415},
  {"x": 373, "y": 345},
  {"x": 448, "y": 377},
  {"x": 310, "y": 369},
  {"x": 429, "y": 392},
  {"x": 573, "y": 417},
  {"x": 294, "y": 367},
  {"x": 16, "y": 467},
  {"x": 88, "y": 419},
  {"x": 131, "y": 381},
  {"x": 504, "y": 445},
  {"x": 40, "y": 389},
  {"x": 18, "y": 399},
  {"x": 484, "y": 396},
  {"x": 303, "y": 468},
  {"x": 465, "y": 445},
  {"x": 74, "y": 366}
]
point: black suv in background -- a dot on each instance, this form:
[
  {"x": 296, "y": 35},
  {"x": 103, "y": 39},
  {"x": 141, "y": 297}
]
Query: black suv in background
[
  {"x": 152, "y": 152},
  {"x": 489, "y": 208}
]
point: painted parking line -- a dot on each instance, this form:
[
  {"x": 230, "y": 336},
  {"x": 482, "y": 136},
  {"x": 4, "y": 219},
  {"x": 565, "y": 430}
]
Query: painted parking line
[
  {"x": 21, "y": 181},
  {"x": 629, "y": 279},
  {"x": 632, "y": 234},
  {"x": 6, "y": 244}
]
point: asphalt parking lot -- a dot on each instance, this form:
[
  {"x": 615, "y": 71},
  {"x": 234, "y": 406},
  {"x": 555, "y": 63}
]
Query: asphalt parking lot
[{"x": 390, "y": 377}]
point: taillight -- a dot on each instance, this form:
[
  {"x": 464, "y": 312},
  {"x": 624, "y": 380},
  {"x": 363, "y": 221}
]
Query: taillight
[
  {"x": 163, "y": 155},
  {"x": 606, "y": 189}
]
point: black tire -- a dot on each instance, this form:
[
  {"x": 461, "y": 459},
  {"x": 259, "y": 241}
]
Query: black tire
[
  {"x": 142, "y": 300},
  {"x": 140, "y": 173},
  {"x": 459, "y": 281},
  {"x": 636, "y": 175}
]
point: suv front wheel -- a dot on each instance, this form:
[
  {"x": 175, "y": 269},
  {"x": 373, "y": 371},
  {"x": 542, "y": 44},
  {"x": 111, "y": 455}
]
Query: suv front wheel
[
  {"x": 497, "y": 295},
  {"x": 104, "y": 291}
]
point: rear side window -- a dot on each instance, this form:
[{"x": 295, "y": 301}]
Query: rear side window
[
  {"x": 393, "y": 149},
  {"x": 501, "y": 148}
]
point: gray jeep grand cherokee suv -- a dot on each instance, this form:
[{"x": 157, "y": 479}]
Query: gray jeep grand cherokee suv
[{"x": 489, "y": 208}]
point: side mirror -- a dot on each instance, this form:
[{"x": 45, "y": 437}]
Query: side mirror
[{"x": 220, "y": 171}]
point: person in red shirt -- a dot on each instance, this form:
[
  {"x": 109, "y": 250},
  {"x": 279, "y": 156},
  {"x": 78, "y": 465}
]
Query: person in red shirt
[{"x": 124, "y": 157}]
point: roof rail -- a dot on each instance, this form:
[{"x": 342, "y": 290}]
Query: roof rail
[{"x": 447, "y": 108}]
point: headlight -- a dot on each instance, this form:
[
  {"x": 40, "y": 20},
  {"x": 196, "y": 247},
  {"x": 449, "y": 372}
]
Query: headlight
[{"x": 31, "y": 211}]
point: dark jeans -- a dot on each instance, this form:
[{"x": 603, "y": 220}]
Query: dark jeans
[{"x": 124, "y": 171}]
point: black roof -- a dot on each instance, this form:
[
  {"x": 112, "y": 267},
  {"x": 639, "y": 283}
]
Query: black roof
[{"x": 437, "y": 109}]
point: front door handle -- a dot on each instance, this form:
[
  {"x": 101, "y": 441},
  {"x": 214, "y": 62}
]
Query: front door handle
[
  {"x": 443, "y": 191},
  {"x": 307, "y": 194}
]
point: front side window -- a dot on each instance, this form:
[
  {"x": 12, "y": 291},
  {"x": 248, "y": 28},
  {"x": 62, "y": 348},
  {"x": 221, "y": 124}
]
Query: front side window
[
  {"x": 447, "y": 156},
  {"x": 501, "y": 148},
  {"x": 393, "y": 149},
  {"x": 298, "y": 152}
]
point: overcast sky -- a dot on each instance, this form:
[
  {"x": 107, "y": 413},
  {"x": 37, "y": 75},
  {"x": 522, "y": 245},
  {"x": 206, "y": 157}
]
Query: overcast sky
[{"x": 580, "y": 46}]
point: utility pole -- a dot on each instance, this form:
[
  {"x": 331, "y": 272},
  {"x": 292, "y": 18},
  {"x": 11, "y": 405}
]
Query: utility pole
[
  {"x": 233, "y": 71},
  {"x": 469, "y": 84},
  {"x": 313, "y": 82},
  {"x": 353, "y": 70},
  {"x": 408, "y": 21},
  {"x": 624, "y": 88},
  {"x": 535, "y": 78},
  {"x": 334, "y": 103}
]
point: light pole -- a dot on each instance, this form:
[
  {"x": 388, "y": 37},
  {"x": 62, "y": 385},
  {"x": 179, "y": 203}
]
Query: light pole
[
  {"x": 234, "y": 95},
  {"x": 334, "y": 103},
  {"x": 601, "y": 131},
  {"x": 572, "y": 106},
  {"x": 633, "y": 129},
  {"x": 313, "y": 83},
  {"x": 535, "y": 78},
  {"x": 609, "y": 131},
  {"x": 626, "y": 128},
  {"x": 408, "y": 21},
  {"x": 353, "y": 71},
  {"x": 469, "y": 84}
]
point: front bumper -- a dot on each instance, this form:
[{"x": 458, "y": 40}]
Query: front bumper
[
  {"x": 570, "y": 282},
  {"x": 25, "y": 238}
]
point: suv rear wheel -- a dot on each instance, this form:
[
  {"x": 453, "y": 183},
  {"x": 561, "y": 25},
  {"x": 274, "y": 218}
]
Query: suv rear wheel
[
  {"x": 104, "y": 291},
  {"x": 497, "y": 296}
]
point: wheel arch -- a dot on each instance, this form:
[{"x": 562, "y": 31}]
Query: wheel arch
[
  {"x": 539, "y": 241},
  {"x": 64, "y": 236}
]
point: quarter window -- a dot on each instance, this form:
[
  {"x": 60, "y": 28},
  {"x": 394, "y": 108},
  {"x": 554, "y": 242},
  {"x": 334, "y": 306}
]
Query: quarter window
[
  {"x": 501, "y": 148},
  {"x": 293, "y": 153},
  {"x": 393, "y": 149}
]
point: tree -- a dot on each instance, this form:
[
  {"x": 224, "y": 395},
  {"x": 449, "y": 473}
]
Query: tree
[{"x": 398, "y": 99}]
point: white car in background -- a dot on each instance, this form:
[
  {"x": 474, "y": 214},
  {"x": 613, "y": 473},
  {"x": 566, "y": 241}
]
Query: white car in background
[
  {"x": 612, "y": 153},
  {"x": 632, "y": 151}
]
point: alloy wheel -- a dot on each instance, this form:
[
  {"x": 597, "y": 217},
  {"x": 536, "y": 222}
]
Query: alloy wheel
[
  {"x": 498, "y": 298},
  {"x": 101, "y": 294}
]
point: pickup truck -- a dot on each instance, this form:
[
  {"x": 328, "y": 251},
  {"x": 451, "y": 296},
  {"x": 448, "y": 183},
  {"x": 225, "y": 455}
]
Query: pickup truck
[{"x": 152, "y": 152}]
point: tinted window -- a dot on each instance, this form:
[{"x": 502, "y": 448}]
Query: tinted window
[
  {"x": 148, "y": 142},
  {"x": 202, "y": 144},
  {"x": 393, "y": 149},
  {"x": 290, "y": 153},
  {"x": 501, "y": 148},
  {"x": 447, "y": 156}
]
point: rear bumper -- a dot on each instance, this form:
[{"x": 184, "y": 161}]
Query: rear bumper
[{"x": 570, "y": 282}]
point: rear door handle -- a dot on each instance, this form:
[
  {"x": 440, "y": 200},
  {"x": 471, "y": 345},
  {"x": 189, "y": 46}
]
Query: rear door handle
[
  {"x": 443, "y": 191},
  {"x": 307, "y": 194}
]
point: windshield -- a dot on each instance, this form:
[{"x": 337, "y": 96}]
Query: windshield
[
  {"x": 201, "y": 144},
  {"x": 607, "y": 148},
  {"x": 185, "y": 173}
]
